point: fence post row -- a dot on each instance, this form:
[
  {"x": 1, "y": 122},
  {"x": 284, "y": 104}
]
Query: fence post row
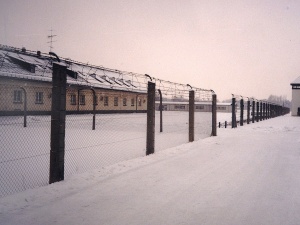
[
  {"x": 191, "y": 115},
  {"x": 58, "y": 123},
  {"x": 214, "y": 115},
  {"x": 150, "y": 118}
]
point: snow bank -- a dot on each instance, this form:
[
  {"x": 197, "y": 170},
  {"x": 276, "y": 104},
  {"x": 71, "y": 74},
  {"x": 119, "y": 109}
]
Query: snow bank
[{"x": 248, "y": 175}]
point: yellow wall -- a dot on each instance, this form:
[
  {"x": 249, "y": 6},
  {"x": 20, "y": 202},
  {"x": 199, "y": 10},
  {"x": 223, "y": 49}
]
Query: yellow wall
[{"x": 7, "y": 87}]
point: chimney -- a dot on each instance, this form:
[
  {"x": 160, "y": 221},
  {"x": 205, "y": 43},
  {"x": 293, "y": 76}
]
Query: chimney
[
  {"x": 38, "y": 53},
  {"x": 24, "y": 49}
]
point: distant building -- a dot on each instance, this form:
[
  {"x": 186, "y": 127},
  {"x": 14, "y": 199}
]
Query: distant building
[
  {"x": 296, "y": 97},
  {"x": 199, "y": 106}
]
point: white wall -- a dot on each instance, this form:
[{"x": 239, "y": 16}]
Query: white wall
[{"x": 295, "y": 101}]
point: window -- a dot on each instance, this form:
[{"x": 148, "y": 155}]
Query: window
[
  {"x": 179, "y": 107},
  {"x": 199, "y": 107},
  {"x": 116, "y": 101},
  {"x": 17, "y": 96},
  {"x": 39, "y": 97},
  {"x": 124, "y": 101},
  {"x": 82, "y": 99},
  {"x": 221, "y": 107},
  {"x": 132, "y": 102},
  {"x": 140, "y": 102},
  {"x": 73, "y": 99},
  {"x": 105, "y": 100}
]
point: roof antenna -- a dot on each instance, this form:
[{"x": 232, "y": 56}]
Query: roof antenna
[{"x": 50, "y": 37}]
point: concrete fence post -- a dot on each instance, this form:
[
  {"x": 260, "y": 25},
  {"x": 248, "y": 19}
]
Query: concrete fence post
[
  {"x": 214, "y": 115},
  {"x": 253, "y": 111},
  {"x": 150, "y": 143},
  {"x": 233, "y": 123},
  {"x": 242, "y": 112},
  {"x": 94, "y": 109},
  {"x": 58, "y": 123},
  {"x": 25, "y": 107},
  {"x": 191, "y": 116},
  {"x": 257, "y": 111},
  {"x": 160, "y": 111},
  {"x": 248, "y": 111},
  {"x": 261, "y": 110},
  {"x": 264, "y": 111}
]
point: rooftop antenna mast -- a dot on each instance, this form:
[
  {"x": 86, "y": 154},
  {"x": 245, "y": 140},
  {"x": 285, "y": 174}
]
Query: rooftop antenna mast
[{"x": 50, "y": 37}]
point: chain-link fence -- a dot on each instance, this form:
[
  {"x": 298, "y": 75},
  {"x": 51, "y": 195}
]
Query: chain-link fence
[
  {"x": 24, "y": 136},
  {"x": 245, "y": 110},
  {"x": 173, "y": 114},
  {"x": 59, "y": 119},
  {"x": 203, "y": 113}
]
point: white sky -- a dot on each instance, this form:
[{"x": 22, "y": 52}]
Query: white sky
[{"x": 250, "y": 48}]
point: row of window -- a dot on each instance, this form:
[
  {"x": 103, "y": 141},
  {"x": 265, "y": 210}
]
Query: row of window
[
  {"x": 18, "y": 97},
  {"x": 39, "y": 99},
  {"x": 198, "y": 107},
  {"x": 183, "y": 107},
  {"x": 105, "y": 100}
]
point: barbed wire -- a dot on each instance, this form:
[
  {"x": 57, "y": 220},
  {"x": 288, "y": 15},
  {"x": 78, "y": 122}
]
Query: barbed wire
[{"x": 86, "y": 71}]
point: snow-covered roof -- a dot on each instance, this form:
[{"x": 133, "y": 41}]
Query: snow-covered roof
[
  {"x": 31, "y": 65},
  {"x": 296, "y": 82}
]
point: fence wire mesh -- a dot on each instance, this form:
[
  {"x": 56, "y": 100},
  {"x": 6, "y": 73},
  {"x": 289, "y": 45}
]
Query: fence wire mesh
[
  {"x": 106, "y": 119},
  {"x": 174, "y": 129},
  {"x": 24, "y": 158},
  {"x": 117, "y": 137},
  {"x": 203, "y": 113}
]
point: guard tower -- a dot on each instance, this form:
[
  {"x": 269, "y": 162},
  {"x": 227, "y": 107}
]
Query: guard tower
[{"x": 296, "y": 97}]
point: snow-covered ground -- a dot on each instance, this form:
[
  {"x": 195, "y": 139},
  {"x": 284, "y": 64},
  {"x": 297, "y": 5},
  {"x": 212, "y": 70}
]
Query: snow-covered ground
[
  {"x": 248, "y": 175},
  {"x": 25, "y": 152}
]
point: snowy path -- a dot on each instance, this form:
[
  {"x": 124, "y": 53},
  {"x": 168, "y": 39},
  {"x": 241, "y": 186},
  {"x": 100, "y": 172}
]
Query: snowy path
[{"x": 248, "y": 175}]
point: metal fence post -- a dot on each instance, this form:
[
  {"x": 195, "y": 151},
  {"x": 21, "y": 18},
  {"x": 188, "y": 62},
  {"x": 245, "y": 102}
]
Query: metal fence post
[
  {"x": 150, "y": 119},
  {"x": 214, "y": 115},
  {"x": 191, "y": 116},
  {"x": 58, "y": 123},
  {"x": 242, "y": 112}
]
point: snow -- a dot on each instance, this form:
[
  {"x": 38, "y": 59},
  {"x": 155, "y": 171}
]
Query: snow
[
  {"x": 24, "y": 159},
  {"x": 248, "y": 175}
]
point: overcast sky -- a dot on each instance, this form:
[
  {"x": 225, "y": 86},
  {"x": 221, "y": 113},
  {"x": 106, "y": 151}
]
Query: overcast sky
[{"x": 250, "y": 48}]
